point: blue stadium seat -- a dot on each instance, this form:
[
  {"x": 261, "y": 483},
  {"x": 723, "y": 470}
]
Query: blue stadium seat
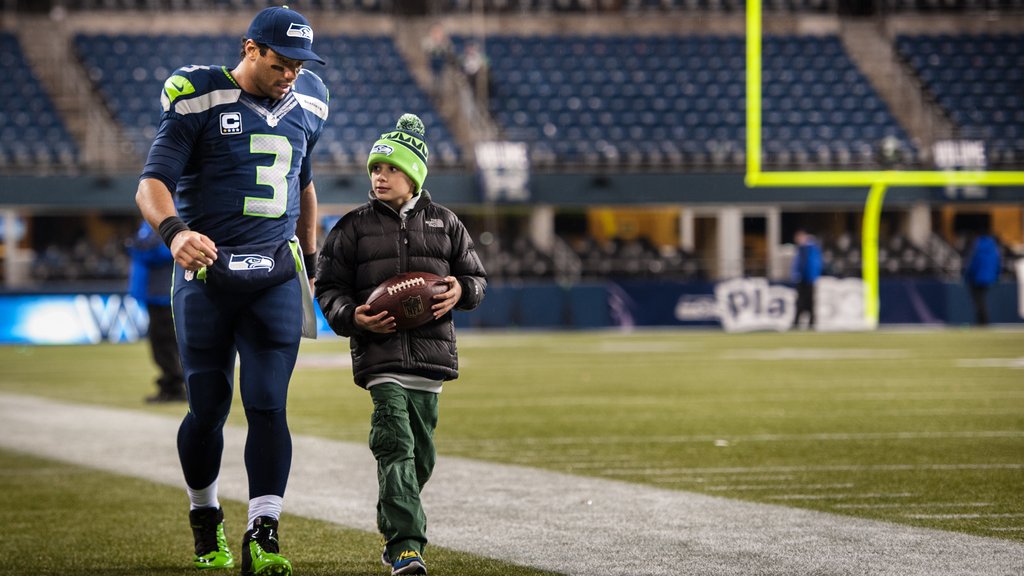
[
  {"x": 635, "y": 91},
  {"x": 977, "y": 79},
  {"x": 129, "y": 71},
  {"x": 32, "y": 133}
]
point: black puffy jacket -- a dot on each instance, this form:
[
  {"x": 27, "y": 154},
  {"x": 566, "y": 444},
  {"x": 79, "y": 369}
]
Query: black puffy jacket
[{"x": 371, "y": 244}]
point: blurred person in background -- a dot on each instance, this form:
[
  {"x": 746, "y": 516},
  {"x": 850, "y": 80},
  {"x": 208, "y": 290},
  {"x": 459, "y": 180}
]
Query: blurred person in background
[
  {"x": 440, "y": 53},
  {"x": 476, "y": 67},
  {"x": 149, "y": 282},
  {"x": 981, "y": 272},
  {"x": 806, "y": 271}
]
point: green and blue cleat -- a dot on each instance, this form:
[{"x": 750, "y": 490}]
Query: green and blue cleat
[
  {"x": 261, "y": 550},
  {"x": 211, "y": 546}
]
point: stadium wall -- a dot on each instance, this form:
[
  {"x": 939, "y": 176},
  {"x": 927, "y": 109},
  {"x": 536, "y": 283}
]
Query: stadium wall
[{"x": 93, "y": 318}]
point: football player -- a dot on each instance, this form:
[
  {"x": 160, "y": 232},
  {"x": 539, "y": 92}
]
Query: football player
[{"x": 229, "y": 186}]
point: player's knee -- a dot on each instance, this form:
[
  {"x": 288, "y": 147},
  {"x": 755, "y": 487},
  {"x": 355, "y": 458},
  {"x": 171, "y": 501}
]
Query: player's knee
[
  {"x": 273, "y": 419},
  {"x": 209, "y": 400}
]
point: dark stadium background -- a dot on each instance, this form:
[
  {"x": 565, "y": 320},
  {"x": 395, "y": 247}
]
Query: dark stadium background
[{"x": 630, "y": 113}]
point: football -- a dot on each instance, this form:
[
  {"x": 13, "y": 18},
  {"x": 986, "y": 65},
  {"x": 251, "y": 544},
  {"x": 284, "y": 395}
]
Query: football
[{"x": 408, "y": 297}]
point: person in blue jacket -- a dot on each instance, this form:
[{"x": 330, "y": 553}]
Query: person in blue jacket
[
  {"x": 806, "y": 271},
  {"x": 981, "y": 272},
  {"x": 149, "y": 282}
]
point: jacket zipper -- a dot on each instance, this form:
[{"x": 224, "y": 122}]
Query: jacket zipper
[{"x": 403, "y": 266}]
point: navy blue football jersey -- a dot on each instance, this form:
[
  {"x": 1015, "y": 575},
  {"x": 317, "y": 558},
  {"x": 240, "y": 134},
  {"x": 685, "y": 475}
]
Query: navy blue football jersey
[{"x": 236, "y": 162}]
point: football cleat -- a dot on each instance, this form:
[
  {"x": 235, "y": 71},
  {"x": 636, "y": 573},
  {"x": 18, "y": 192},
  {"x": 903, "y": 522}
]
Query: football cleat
[
  {"x": 260, "y": 550},
  {"x": 409, "y": 562},
  {"x": 211, "y": 545}
]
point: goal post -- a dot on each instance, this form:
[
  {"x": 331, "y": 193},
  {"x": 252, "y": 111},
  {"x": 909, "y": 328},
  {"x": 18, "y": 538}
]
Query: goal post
[{"x": 876, "y": 181}]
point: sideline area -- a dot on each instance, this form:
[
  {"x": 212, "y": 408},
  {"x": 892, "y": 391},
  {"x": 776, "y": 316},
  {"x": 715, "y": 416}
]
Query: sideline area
[{"x": 558, "y": 522}]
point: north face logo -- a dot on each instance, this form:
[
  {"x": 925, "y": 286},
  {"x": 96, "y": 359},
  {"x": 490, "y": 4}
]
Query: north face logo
[{"x": 435, "y": 223}]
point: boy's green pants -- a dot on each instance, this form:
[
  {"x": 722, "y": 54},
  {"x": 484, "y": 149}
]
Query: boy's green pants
[{"x": 402, "y": 441}]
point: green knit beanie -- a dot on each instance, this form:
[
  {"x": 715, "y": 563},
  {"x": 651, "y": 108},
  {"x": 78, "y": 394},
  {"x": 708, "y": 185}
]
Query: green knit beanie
[{"x": 404, "y": 147}]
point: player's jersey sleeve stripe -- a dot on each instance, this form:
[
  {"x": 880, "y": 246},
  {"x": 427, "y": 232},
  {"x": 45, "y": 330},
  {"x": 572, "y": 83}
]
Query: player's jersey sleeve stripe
[
  {"x": 314, "y": 105},
  {"x": 202, "y": 103}
]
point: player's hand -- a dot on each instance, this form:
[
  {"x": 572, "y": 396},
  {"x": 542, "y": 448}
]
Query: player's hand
[
  {"x": 379, "y": 323},
  {"x": 192, "y": 250},
  {"x": 445, "y": 301}
]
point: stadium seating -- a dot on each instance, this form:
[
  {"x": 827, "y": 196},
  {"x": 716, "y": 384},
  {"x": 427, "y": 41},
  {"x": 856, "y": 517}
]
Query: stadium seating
[
  {"x": 225, "y": 5},
  {"x": 680, "y": 101},
  {"x": 978, "y": 80},
  {"x": 129, "y": 70},
  {"x": 591, "y": 103},
  {"x": 640, "y": 6},
  {"x": 32, "y": 133}
]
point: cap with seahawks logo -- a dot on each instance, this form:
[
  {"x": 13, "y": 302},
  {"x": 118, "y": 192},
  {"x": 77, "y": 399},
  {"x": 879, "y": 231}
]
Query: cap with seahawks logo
[{"x": 286, "y": 32}]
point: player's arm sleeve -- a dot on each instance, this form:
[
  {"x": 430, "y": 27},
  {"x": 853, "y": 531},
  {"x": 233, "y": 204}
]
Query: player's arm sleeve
[
  {"x": 306, "y": 168},
  {"x": 170, "y": 151},
  {"x": 467, "y": 268},
  {"x": 335, "y": 280}
]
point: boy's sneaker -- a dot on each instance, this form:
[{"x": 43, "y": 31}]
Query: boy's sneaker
[
  {"x": 408, "y": 562},
  {"x": 260, "y": 550},
  {"x": 211, "y": 545}
]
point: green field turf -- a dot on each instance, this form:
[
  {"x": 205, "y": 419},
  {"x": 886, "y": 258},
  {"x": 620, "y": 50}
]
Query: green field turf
[{"x": 920, "y": 428}]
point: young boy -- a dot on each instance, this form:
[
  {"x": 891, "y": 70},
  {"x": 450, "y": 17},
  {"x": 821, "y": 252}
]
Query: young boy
[{"x": 399, "y": 230}]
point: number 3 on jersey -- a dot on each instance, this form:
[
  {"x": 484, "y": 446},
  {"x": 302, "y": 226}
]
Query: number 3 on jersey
[{"x": 274, "y": 176}]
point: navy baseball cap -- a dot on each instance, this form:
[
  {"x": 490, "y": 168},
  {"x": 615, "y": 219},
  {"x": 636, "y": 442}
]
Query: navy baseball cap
[{"x": 286, "y": 32}]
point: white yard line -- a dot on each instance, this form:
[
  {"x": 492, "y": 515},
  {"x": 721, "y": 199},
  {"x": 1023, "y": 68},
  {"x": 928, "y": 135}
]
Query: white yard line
[
  {"x": 710, "y": 439},
  {"x": 563, "y": 523},
  {"x": 960, "y": 516},
  {"x": 810, "y": 468}
]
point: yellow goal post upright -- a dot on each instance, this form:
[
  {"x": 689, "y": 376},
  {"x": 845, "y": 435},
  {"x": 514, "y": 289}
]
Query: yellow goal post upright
[{"x": 877, "y": 182}]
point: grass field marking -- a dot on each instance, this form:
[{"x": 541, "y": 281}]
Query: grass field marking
[
  {"x": 794, "y": 497},
  {"x": 626, "y": 347},
  {"x": 919, "y": 505},
  {"x": 712, "y": 438},
  {"x": 648, "y": 471},
  {"x": 960, "y": 516},
  {"x": 807, "y": 353},
  {"x": 965, "y": 395},
  {"x": 1015, "y": 363},
  {"x": 746, "y": 487}
]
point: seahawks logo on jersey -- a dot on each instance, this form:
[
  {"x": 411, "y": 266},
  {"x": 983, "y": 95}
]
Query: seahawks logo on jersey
[{"x": 250, "y": 262}]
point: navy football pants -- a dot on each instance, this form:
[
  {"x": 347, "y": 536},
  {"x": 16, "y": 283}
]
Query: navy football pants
[{"x": 263, "y": 328}]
